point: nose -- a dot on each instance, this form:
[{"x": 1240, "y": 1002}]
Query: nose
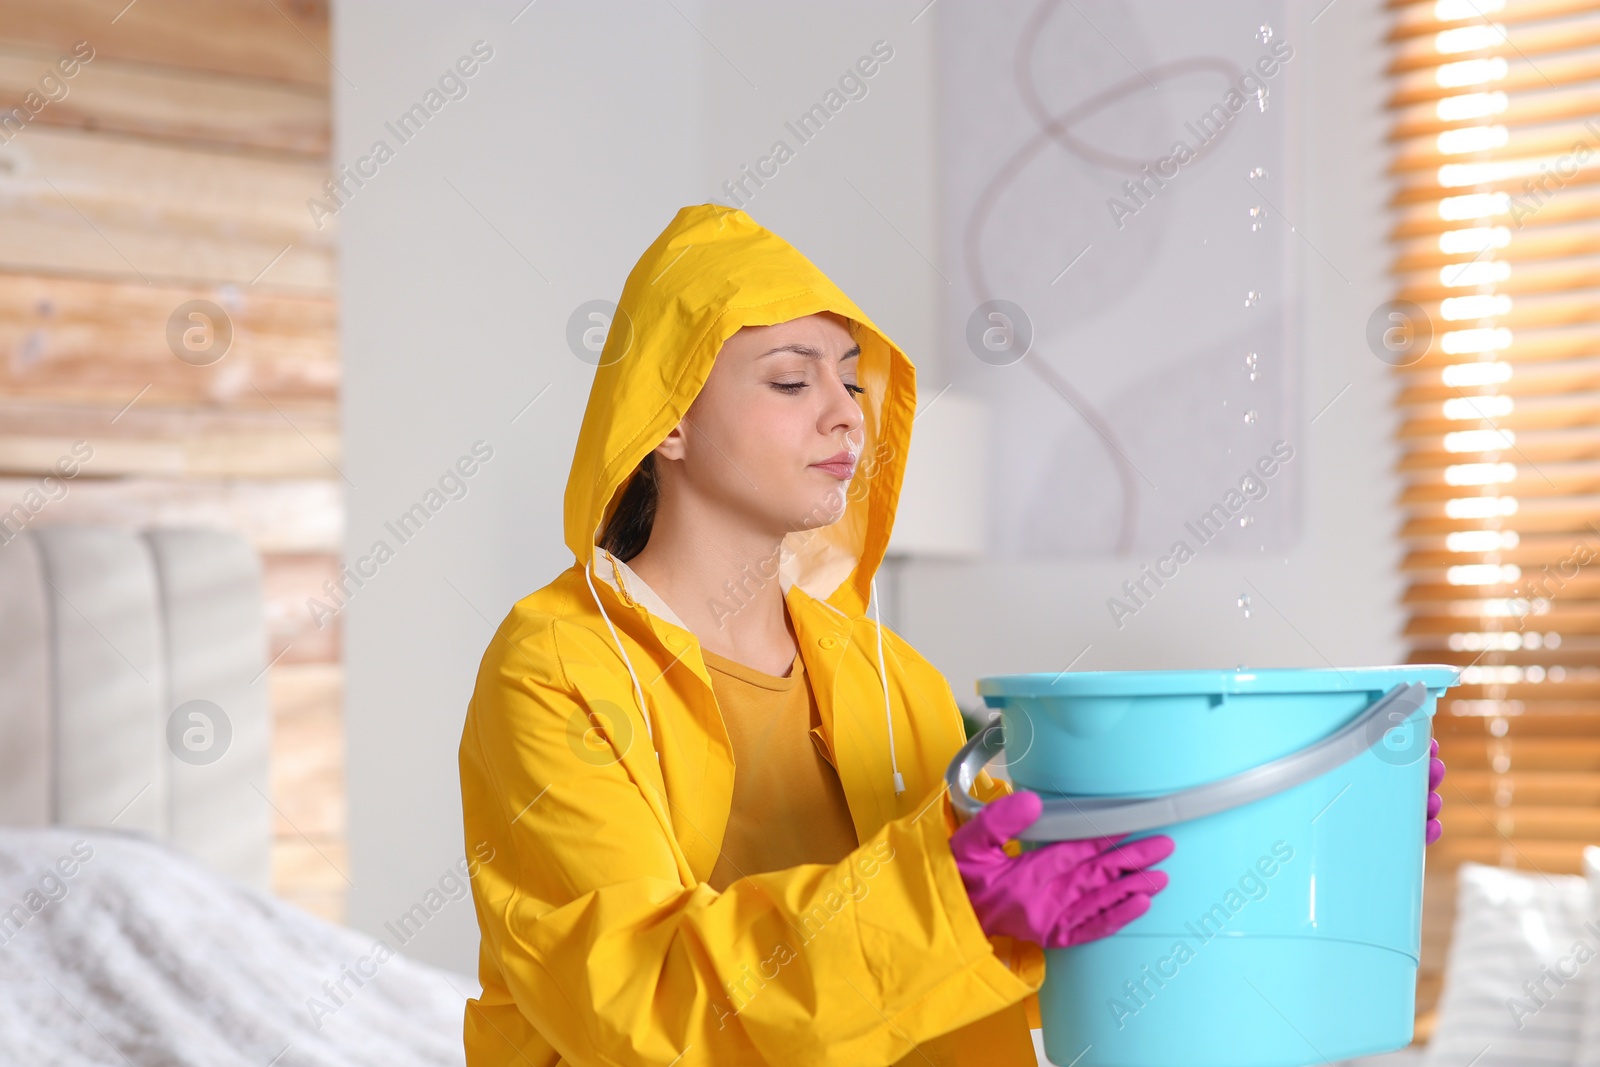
[{"x": 843, "y": 411}]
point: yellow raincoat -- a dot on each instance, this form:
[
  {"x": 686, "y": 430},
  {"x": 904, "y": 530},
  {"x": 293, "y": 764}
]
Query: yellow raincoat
[{"x": 596, "y": 772}]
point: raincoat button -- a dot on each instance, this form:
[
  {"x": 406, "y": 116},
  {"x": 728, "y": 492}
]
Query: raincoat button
[
  {"x": 828, "y": 642},
  {"x": 675, "y": 641}
]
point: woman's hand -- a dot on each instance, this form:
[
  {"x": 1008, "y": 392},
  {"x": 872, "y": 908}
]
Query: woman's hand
[
  {"x": 1435, "y": 801},
  {"x": 1063, "y": 893}
]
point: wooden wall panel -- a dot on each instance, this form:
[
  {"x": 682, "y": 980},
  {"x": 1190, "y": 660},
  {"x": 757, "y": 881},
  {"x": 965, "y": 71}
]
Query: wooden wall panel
[
  {"x": 100, "y": 343},
  {"x": 293, "y": 633},
  {"x": 282, "y": 40},
  {"x": 77, "y": 202},
  {"x": 172, "y": 441},
  {"x": 311, "y": 862},
  {"x": 171, "y": 104}
]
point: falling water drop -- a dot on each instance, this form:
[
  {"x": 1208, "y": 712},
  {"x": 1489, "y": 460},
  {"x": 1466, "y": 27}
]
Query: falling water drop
[
  {"x": 1250, "y": 418},
  {"x": 1252, "y": 298},
  {"x": 1244, "y": 604}
]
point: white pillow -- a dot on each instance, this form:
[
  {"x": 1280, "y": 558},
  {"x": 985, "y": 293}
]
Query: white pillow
[
  {"x": 1589, "y": 1036},
  {"x": 1520, "y": 961}
]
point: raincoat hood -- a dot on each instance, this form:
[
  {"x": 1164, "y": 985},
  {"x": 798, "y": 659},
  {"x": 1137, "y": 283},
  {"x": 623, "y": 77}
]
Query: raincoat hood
[{"x": 711, "y": 272}]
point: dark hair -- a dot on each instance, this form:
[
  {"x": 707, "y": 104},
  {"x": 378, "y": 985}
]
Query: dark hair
[{"x": 628, "y": 529}]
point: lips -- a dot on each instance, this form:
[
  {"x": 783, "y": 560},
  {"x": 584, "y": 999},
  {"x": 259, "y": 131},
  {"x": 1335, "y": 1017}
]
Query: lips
[{"x": 840, "y": 465}]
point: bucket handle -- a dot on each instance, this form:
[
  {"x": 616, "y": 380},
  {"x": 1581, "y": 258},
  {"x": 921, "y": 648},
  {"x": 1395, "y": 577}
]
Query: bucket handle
[{"x": 1073, "y": 818}]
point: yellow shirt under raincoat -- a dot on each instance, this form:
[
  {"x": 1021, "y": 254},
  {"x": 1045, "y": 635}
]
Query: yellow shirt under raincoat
[{"x": 597, "y": 773}]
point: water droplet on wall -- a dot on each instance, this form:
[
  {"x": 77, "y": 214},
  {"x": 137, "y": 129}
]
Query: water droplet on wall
[
  {"x": 1250, "y": 418},
  {"x": 1244, "y": 604},
  {"x": 1264, "y": 34},
  {"x": 1252, "y": 298},
  {"x": 1258, "y": 172}
]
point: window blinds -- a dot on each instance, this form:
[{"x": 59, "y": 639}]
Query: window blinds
[
  {"x": 1497, "y": 197},
  {"x": 1495, "y": 171}
]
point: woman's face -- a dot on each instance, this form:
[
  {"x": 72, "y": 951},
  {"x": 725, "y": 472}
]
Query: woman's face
[{"x": 780, "y": 401}]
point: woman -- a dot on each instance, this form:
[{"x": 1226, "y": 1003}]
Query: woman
[{"x": 730, "y": 499}]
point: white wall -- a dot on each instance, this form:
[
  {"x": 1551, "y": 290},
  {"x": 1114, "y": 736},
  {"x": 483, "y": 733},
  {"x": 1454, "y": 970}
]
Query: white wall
[
  {"x": 590, "y": 126},
  {"x": 578, "y": 141},
  {"x": 1333, "y": 598}
]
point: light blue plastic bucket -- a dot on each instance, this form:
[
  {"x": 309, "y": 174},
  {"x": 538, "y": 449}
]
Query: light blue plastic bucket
[{"x": 1290, "y": 930}]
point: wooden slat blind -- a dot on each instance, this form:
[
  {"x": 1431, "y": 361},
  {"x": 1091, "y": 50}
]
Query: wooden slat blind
[{"x": 1495, "y": 173}]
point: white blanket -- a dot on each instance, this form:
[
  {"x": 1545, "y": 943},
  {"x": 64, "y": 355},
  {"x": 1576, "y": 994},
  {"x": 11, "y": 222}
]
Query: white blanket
[{"x": 143, "y": 956}]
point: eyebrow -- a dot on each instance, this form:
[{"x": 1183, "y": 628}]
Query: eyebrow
[{"x": 809, "y": 351}]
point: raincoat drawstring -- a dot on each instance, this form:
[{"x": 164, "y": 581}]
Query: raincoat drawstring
[
  {"x": 883, "y": 675},
  {"x": 637, "y": 691},
  {"x": 877, "y": 618}
]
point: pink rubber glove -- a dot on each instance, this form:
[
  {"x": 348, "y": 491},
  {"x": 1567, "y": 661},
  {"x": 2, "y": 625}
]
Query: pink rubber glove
[
  {"x": 1435, "y": 801},
  {"x": 1060, "y": 894}
]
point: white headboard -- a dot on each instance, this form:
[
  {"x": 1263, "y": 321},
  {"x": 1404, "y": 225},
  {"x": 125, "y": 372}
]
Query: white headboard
[{"x": 104, "y": 635}]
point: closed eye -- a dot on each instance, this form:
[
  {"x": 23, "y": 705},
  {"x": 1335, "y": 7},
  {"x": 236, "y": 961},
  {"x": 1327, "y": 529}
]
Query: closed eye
[{"x": 793, "y": 388}]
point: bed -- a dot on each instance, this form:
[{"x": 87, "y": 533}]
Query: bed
[{"x": 136, "y": 919}]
